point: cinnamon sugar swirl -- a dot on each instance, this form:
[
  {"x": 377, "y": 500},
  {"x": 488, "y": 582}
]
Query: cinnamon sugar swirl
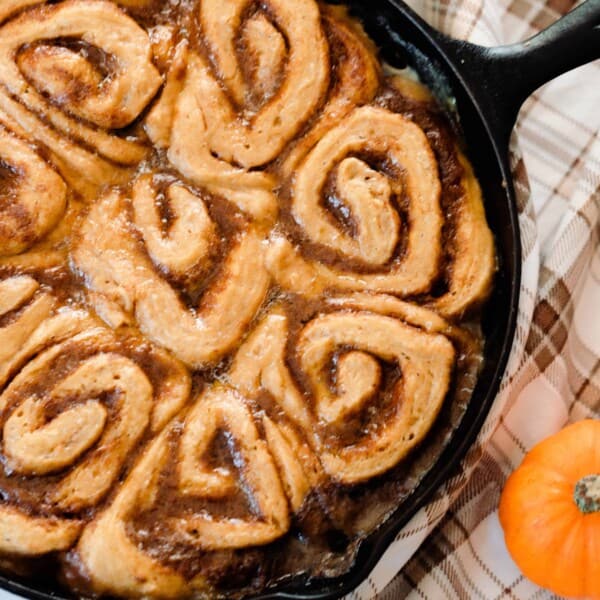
[{"x": 241, "y": 277}]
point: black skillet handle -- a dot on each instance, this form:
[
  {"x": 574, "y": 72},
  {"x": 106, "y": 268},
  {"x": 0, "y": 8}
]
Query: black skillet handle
[{"x": 503, "y": 77}]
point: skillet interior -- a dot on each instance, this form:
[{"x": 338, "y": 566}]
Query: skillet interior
[{"x": 404, "y": 40}]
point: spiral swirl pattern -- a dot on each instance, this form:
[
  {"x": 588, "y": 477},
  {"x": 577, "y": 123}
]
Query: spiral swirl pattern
[
  {"x": 197, "y": 478},
  {"x": 128, "y": 285},
  {"x": 78, "y": 403},
  {"x": 286, "y": 96},
  {"x": 378, "y": 164},
  {"x": 241, "y": 267},
  {"x": 223, "y": 124},
  {"x": 71, "y": 73},
  {"x": 339, "y": 359}
]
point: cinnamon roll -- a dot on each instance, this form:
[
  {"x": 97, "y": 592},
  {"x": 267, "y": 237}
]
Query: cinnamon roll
[
  {"x": 376, "y": 369},
  {"x": 131, "y": 280},
  {"x": 367, "y": 203},
  {"x": 210, "y": 497},
  {"x": 242, "y": 267},
  {"x": 72, "y": 74},
  {"x": 224, "y": 124},
  {"x": 78, "y": 402}
]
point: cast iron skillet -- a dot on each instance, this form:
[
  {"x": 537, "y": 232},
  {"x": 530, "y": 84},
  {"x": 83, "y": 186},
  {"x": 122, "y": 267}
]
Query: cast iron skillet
[{"x": 483, "y": 89}]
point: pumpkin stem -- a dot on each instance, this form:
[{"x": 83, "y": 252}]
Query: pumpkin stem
[{"x": 587, "y": 494}]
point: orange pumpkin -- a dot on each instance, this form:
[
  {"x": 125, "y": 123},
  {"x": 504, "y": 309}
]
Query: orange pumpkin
[{"x": 550, "y": 512}]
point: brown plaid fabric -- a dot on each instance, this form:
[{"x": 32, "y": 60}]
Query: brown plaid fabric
[{"x": 454, "y": 548}]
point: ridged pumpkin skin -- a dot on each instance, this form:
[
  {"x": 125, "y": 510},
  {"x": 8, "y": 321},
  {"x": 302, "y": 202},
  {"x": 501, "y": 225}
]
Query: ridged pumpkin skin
[{"x": 553, "y": 542}]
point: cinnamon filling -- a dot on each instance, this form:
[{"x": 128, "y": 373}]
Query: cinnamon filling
[{"x": 241, "y": 273}]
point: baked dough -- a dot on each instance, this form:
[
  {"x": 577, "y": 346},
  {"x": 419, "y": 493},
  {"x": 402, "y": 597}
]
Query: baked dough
[{"x": 241, "y": 275}]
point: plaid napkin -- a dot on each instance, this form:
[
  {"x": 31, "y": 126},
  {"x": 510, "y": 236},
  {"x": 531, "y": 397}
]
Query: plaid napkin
[{"x": 454, "y": 547}]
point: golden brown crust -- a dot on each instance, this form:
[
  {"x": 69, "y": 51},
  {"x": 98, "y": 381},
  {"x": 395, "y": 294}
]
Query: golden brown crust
[
  {"x": 35, "y": 199},
  {"x": 231, "y": 203},
  {"x": 78, "y": 402},
  {"x": 347, "y": 347},
  {"x": 75, "y": 125},
  {"x": 120, "y": 272}
]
